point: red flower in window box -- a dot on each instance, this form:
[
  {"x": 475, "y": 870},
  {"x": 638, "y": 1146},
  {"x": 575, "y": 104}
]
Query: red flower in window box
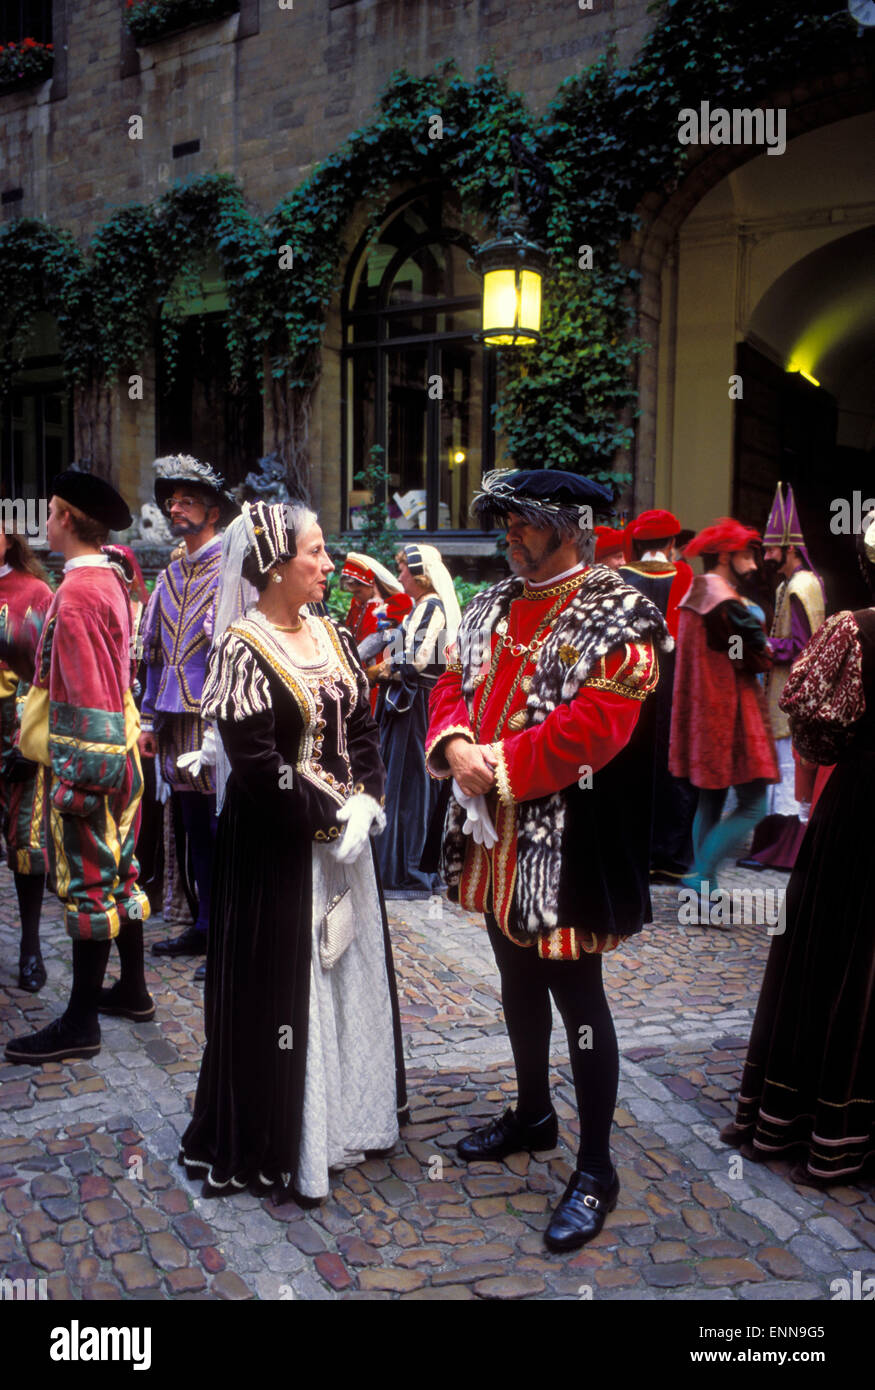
[{"x": 24, "y": 63}]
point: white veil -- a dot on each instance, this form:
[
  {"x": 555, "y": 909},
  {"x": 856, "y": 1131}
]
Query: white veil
[
  {"x": 234, "y": 596},
  {"x": 442, "y": 582}
]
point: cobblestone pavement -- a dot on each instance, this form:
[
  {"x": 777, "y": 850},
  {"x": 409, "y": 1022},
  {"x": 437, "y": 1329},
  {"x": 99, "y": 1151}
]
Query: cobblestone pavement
[{"x": 92, "y": 1201}]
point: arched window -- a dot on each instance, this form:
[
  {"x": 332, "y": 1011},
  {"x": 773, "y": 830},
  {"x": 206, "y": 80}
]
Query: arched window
[{"x": 415, "y": 380}]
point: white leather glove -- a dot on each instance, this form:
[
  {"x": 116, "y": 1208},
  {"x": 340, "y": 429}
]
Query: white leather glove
[
  {"x": 205, "y": 755},
  {"x": 478, "y": 822},
  {"x": 360, "y": 813}
]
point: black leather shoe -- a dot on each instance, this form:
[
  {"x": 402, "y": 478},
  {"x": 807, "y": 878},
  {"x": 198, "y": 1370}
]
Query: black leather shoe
[
  {"x": 201, "y": 973},
  {"x": 581, "y": 1214},
  {"x": 54, "y": 1043},
  {"x": 750, "y": 864},
  {"x": 31, "y": 974},
  {"x": 508, "y": 1136},
  {"x": 114, "y": 1004},
  {"x": 191, "y": 942}
]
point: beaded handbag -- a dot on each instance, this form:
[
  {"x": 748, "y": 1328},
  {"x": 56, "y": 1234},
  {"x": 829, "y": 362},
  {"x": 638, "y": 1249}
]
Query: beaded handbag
[{"x": 338, "y": 929}]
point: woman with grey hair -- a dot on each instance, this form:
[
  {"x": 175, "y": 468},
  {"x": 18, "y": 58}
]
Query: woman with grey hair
[{"x": 302, "y": 1071}]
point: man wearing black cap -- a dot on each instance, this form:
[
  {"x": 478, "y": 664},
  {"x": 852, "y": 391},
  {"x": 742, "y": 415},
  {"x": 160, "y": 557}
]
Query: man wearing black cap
[
  {"x": 80, "y": 720},
  {"x": 543, "y": 832}
]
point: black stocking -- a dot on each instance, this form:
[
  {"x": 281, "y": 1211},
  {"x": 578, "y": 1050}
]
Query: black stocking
[
  {"x": 89, "y": 966},
  {"x": 29, "y": 888},
  {"x": 131, "y": 988},
  {"x": 526, "y": 985}
]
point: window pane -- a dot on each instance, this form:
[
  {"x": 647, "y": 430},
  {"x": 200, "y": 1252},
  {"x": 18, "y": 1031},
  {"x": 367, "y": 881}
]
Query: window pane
[
  {"x": 461, "y": 411},
  {"x": 362, "y": 369},
  {"x": 407, "y": 401}
]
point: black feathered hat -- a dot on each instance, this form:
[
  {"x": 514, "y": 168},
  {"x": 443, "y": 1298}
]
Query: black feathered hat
[
  {"x": 183, "y": 470},
  {"x": 542, "y": 496},
  {"x": 93, "y": 496}
]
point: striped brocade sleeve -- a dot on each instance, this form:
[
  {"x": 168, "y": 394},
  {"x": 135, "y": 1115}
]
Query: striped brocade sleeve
[{"x": 236, "y": 686}]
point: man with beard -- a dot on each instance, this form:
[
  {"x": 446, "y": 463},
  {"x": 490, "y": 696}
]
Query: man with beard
[
  {"x": 176, "y": 644},
  {"x": 546, "y": 831}
]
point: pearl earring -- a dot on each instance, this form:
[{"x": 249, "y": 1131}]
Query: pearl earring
[{"x": 277, "y": 578}]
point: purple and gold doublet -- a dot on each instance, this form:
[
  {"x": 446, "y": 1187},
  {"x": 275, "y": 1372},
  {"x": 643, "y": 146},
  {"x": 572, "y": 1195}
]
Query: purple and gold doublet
[{"x": 176, "y": 644}]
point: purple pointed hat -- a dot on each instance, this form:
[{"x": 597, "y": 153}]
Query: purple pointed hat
[{"x": 783, "y": 526}]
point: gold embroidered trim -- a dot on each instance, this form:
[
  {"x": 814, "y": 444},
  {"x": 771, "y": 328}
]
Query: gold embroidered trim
[
  {"x": 332, "y": 834},
  {"x": 618, "y": 689},
  {"x": 433, "y": 749},
  {"x": 502, "y": 777}
]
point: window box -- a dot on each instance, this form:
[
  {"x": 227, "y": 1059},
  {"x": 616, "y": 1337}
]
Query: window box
[
  {"x": 24, "y": 64},
  {"x": 150, "y": 20}
]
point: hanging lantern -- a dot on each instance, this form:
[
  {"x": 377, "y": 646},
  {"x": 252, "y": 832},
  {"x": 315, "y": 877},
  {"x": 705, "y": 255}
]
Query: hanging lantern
[{"x": 513, "y": 268}]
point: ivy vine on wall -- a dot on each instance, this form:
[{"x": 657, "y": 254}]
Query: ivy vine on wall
[{"x": 607, "y": 140}]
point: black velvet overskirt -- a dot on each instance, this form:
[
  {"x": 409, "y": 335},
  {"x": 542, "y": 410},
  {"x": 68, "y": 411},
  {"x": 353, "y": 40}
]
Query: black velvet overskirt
[
  {"x": 809, "y": 1078},
  {"x": 246, "y": 1123}
]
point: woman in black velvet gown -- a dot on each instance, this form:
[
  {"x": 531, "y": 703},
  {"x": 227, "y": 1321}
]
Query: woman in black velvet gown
[
  {"x": 302, "y": 1070},
  {"x": 808, "y": 1088}
]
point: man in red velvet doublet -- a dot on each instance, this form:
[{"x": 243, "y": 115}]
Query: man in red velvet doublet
[
  {"x": 80, "y": 721},
  {"x": 532, "y": 720}
]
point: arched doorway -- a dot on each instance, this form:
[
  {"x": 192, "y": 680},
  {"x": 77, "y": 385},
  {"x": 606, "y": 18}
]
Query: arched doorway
[{"x": 770, "y": 272}]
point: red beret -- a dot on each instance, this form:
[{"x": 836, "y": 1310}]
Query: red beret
[
  {"x": 723, "y": 534},
  {"x": 650, "y": 526},
  {"x": 607, "y": 542}
]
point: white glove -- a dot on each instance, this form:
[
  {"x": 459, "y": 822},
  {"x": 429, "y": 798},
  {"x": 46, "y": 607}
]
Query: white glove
[
  {"x": 478, "y": 822},
  {"x": 359, "y": 813},
  {"x": 205, "y": 755}
]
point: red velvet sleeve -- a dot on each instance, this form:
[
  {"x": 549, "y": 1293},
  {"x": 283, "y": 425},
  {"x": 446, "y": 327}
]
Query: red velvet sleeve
[
  {"x": 447, "y": 715},
  {"x": 581, "y": 736}
]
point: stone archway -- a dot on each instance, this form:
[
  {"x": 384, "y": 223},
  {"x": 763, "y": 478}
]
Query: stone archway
[{"x": 708, "y": 253}]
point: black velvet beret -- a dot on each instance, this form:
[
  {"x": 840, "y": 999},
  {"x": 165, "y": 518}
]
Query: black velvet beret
[
  {"x": 94, "y": 496},
  {"x": 541, "y": 495}
]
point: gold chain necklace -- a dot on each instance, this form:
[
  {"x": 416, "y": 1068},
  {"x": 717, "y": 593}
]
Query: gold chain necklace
[
  {"x": 280, "y": 628},
  {"x": 517, "y": 648}
]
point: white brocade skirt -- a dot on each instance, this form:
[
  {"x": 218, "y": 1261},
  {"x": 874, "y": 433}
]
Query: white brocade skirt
[{"x": 350, "y": 1099}]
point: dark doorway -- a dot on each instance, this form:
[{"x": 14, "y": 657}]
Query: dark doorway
[{"x": 785, "y": 431}]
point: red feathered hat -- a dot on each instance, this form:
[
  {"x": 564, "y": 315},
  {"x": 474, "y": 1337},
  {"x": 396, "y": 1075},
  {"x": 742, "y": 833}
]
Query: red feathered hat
[
  {"x": 607, "y": 542},
  {"x": 723, "y": 534},
  {"x": 650, "y": 526}
]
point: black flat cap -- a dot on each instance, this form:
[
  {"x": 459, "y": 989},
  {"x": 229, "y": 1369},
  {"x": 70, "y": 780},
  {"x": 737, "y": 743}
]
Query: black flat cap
[
  {"x": 94, "y": 496},
  {"x": 540, "y": 495}
]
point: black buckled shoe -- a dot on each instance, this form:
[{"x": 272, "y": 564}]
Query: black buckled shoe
[
  {"x": 581, "y": 1214},
  {"x": 31, "y": 974},
  {"x": 508, "y": 1136},
  {"x": 191, "y": 942},
  {"x": 54, "y": 1043}
]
